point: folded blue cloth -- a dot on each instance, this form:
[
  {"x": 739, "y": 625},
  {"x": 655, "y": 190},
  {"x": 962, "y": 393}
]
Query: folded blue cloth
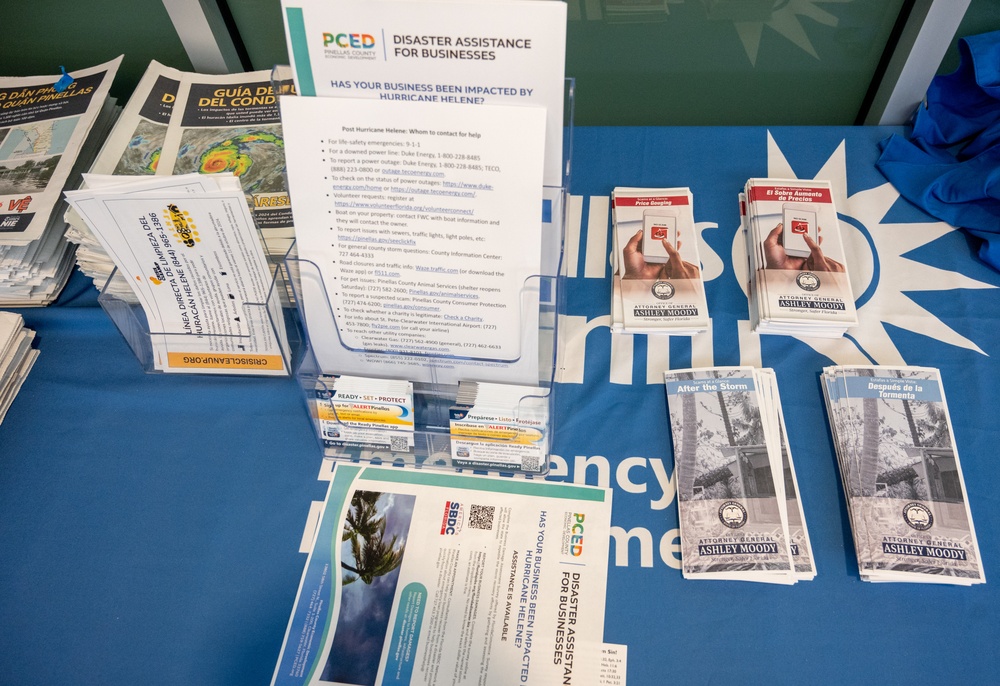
[{"x": 950, "y": 164}]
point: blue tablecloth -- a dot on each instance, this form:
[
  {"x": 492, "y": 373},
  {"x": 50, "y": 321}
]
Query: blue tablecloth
[{"x": 150, "y": 525}]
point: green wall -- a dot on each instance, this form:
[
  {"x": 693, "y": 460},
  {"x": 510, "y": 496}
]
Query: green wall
[
  {"x": 693, "y": 62},
  {"x": 44, "y": 34},
  {"x": 636, "y": 62},
  {"x": 982, "y": 16}
]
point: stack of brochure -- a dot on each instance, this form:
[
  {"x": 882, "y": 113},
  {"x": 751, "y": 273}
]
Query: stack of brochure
[
  {"x": 740, "y": 515},
  {"x": 50, "y": 130},
  {"x": 16, "y": 357},
  {"x": 177, "y": 123},
  {"x": 657, "y": 285},
  {"x": 901, "y": 474},
  {"x": 799, "y": 284},
  {"x": 188, "y": 249},
  {"x": 500, "y": 427},
  {"x": 359, "y": 412}
]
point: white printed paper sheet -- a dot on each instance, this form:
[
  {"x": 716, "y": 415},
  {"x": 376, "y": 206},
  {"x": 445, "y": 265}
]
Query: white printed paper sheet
[
  {"x": 422, "y": 226},
  {"x": 460, "y": 54},
  {"x": 480, "y": 580}
]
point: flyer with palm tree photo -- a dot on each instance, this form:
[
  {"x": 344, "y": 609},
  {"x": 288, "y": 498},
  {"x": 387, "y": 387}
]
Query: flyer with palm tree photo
[{"x": 420, "y": 577}]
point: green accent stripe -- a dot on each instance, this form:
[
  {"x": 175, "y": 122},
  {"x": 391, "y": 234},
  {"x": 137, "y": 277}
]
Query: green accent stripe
[
  {"x": 300, "y": 50},
  {"x": 335, "y": 499},
  {"x": 548, "y": 489}
]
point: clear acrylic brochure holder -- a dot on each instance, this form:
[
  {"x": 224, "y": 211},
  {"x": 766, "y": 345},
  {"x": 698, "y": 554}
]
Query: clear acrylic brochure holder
[
  {"x": 435, "y": 378},
  {"x": 213, "y": 353}
]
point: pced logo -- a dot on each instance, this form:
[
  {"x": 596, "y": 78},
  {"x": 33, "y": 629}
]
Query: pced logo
[
  {"x": 576, "y": 535},
  {"x": 451, "y": 524},
  {"x": 362, "y": 41}
]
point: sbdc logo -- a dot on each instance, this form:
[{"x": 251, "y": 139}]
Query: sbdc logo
[{"x": 451, "y": 523}]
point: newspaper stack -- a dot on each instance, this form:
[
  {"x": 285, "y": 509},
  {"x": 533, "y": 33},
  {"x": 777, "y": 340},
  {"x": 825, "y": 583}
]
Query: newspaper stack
[
  {"x": 799, "y": 284},
  {"x": 740, "y": 515},
  {"x": 50, "y": 130},
  {"x": 16, "y": 357},
  {"x": 657, "y": 285},
  {"x": 178, "y": 122},
  {"x": 132, "y": 148},
  {"x": 901, "y": 474}
]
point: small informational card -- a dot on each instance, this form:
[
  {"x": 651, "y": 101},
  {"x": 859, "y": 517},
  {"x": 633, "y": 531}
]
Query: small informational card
[
  {"x": 422, "y": 225},
  {"x": 613, "y": 664},
  {"x": 457, "y": 53},
  {"x": 421, "y": 577},
  {"x": 197, "y": 266},
  {"x": 500, "y": 427},
  {"x": 362, "y": 412}
]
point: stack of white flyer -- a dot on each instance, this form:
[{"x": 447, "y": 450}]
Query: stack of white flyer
[
  {"x": 16, "y": 357},
  {"x": 177, "y": 123},
  {"x": 352, "y": 411},
  {"x": 189, "y": 249},
  {"x": 657, "y": 285},
  {"x": 901, "y": 475},
  {"x": 47, "y": 137},
  {"x": 740, "y": 515},
  {"x": 799, "y": 284},
  {"x": 500, "y": 427}
]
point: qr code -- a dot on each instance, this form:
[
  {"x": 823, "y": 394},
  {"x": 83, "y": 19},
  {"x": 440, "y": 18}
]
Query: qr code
[
  {"x": 399, "y": 444},
  {"x": 529, "y": 463},
  {"x": 481, "y": 516}
]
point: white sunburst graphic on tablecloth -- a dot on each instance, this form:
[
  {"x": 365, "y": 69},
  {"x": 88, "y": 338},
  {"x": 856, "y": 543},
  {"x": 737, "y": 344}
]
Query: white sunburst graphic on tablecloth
[
  {"x": 880, "y": 274},
  {"x": 784, "y": 18}
]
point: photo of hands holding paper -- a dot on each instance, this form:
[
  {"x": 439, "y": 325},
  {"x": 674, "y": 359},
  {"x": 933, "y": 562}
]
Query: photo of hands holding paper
[
  {"x": 657, "y": 285},
  {"x": 637, "y": 267},
  {"x": 776, "y": 257}
]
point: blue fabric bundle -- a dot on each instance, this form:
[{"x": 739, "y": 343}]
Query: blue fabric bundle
[{"x": 950, "y": 166}]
